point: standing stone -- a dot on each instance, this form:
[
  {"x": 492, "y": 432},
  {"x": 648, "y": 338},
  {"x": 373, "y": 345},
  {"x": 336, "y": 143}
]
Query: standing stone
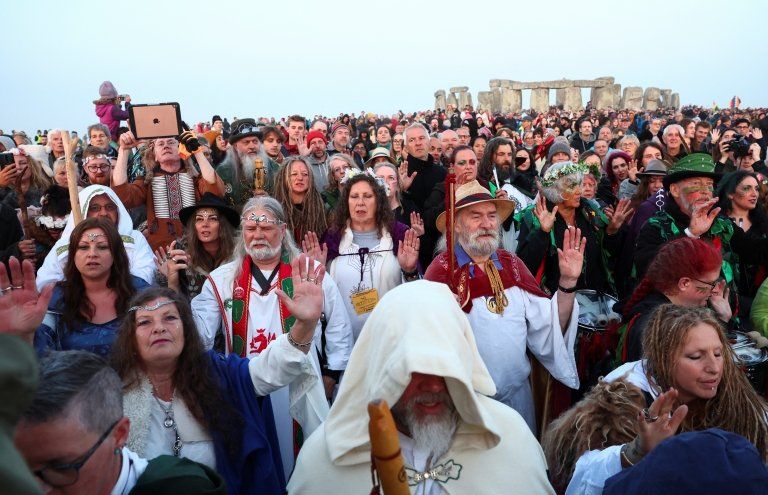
[
  {"x": 495, "y": 100},
  {"x": 560, "y": 97},
  {"x": 540, "y": 99},
  {"x": 572, "y": 99},
  {"x": 459, "y": 89},
  {"x": 632, "y": 98},
  {"x": 511, "y": 100},
  {"x": 440, "y": 99},
  {"x": 465, "y": 98},
  {"x": 666, "y": 98},
  {"x": 452, "y": 101},
  {"x": 651, "y": 99},
  {"x": 485, "y": 100},
  {"x": 675, "y": 100}
]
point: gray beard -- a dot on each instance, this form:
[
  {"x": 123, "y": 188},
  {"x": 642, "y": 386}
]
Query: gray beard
[
  {"x": 481, "y": 249},
  {"x": 433, "y": 435},
  {"x": 246, "y": 165},
  {"x": 263, "y": 253}
]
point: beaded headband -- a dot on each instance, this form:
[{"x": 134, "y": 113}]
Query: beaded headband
[
  {"x": 93, "y": 235},
  {"x": 158, "y": 304}
]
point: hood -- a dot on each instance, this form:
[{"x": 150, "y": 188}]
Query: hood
[
  {"x": 124, "y": 223},
  {"x": 432, "y": 337},
  {"x": 104, "y": 109}
]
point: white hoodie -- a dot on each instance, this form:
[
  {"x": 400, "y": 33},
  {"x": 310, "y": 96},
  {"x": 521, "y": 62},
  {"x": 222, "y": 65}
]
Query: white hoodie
[{"x": 140, "y": 257}]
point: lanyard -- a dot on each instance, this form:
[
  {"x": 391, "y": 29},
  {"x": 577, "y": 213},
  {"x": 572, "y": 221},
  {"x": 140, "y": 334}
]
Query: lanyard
[{"x": 362, "y": 252}]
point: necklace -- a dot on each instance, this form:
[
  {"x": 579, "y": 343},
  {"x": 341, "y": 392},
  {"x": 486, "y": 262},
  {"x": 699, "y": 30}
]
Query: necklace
[{"x": 169, "y": 422}]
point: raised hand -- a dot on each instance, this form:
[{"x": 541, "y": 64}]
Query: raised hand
[
  {"x": 546, "y": 217},
  {"x": 311, "y": 247},
  {"x": 405, "y": 179},
  {"x": 570, "y": 258},
  {"x": 619, "y": 216},
  {"x": 660, "y": 422},
  {"x": 756, "y": 133},
  {"x": 715, "y": 135},
  {"x": 307, "y": 301},
  {"x": 408, "y": 251},
  {"x": 719, "y": 302},
  {"x": 417, "y": 223},
  {"x": 189, "y": 140},
  {"x": 633, "y": 170},
  {"x": 22, "y": 308},
  {"x": 702, "y": 217},
  {"x": 127, "y": 141}
]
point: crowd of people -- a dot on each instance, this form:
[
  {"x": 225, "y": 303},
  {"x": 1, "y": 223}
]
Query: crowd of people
[{"x": 216, "y": 310}]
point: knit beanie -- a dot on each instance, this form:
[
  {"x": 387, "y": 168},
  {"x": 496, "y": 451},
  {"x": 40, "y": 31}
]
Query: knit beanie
[
  {"x": 337, "y": 126},
  {"x": 316, "y": 134},
  {"x": 558, "y": 147},
  {"x": 107, "y": 90}
]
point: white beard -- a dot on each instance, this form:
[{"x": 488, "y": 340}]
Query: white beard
[
  {"x": 433, "y": 434},
  {"x": 261, "y": 252},
  {"x": 483, "y": 248}
]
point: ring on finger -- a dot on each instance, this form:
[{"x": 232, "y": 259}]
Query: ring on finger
[
  {"x": 6, "y": 289},
  {"x": 17, "y": 287},
  {"x": 647, "y": 416}
]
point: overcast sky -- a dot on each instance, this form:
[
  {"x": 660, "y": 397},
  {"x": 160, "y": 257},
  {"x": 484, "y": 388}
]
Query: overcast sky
[{"x": 274, "y": 58}]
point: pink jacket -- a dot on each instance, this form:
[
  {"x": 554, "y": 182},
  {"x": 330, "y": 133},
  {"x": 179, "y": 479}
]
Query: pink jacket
[{"x": 110, "y": 114}]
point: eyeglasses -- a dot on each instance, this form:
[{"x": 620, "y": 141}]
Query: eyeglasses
[
  {"x": 463, "y": 163},
  {"x": 711, "y": 285},
  {"x": 59, "y": 475},
  {"x": 97, "y": 168},
  {"x": 109, "y": 207}
]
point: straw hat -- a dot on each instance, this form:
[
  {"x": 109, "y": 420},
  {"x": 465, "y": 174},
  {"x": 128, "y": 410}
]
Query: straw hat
[{"x": 473, "y": 193}]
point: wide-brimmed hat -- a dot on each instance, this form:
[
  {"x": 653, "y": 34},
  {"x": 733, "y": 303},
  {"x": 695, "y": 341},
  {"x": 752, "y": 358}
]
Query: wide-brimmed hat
[
  {"x": 473, "y": 193},
  {"x": 243, "y": 128},
  {"x": 654, "y": 168},
  {"x": 210, "y": 200},
  {"x": 693, "y": 165},
  {"x": 380, "y": 153}
]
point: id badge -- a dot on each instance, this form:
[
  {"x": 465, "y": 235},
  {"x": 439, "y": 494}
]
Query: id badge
[{"x": 364, "y": 301}]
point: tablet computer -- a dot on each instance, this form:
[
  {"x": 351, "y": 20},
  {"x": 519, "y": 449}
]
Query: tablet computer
[{"x": 150, "y": 121}]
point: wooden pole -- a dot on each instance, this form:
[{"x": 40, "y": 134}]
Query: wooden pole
[
  {"x": 385, "y": 449},
  {"x": 74, "y": 199}
]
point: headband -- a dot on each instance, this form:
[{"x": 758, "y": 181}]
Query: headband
[
  {"x": 95, "y": 157},
  {"x": 573, "y": 168},
  {"x": 157, "y": 305}
]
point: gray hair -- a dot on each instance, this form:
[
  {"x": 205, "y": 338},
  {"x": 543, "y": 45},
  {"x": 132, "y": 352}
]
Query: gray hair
[
  {"x": 415, "y": 125},
  {"x": 274, "y": 207},
  {"x": 77, "y": 383},
  {"x": 673, "y": 127},
  {"x": 98, "y": 127},
  {"x": 553, "y": 193},
  {"x": 627, "y": 138}
]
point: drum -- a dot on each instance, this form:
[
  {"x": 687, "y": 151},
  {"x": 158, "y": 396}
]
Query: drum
[
  {"x": 752, "y": 360},
  {"x": 595, "y": 310}
]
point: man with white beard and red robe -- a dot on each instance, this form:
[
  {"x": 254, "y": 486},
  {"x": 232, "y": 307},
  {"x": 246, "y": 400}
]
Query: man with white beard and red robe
[
  {"x": 417, "y": 352},
  {"x": 508, "y": 311},
  {"x": 240, "y": 300}
]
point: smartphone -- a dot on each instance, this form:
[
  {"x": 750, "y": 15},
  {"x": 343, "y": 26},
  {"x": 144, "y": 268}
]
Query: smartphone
[
  {"x": 6, "y": 159},
  {"x": 152, "y": 121}
]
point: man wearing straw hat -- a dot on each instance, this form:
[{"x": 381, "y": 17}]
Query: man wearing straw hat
[{"x": 508, "y": 311}]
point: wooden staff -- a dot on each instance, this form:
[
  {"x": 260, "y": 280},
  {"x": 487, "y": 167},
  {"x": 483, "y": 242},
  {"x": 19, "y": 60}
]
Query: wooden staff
[
  {"x": 450, "y": 214},
  {"x": 74, "y": 199},
  {"x": 385, "y": 451},
  {"x": 259, "y": 177}
]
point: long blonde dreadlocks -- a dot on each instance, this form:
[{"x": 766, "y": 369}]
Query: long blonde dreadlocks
[
  {"x": 310, "y": 215},
  {"x": 736, "y": 407}
]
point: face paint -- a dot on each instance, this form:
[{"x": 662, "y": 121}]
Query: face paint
[{"x": 687, "y": 190}]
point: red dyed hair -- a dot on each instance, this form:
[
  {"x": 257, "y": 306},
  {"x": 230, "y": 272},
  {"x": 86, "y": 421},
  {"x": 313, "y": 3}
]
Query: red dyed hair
[{"x": 684, "y": 257}]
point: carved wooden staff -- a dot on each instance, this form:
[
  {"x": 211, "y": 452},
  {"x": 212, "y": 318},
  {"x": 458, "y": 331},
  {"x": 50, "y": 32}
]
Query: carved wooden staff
[
  {"x": 74, "y": 199},
  {"x": 387, "y": 463},
  {"x": 259, "y": 177}
]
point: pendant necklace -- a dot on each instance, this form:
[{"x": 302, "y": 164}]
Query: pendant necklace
[{"x": 169, "y": 422}]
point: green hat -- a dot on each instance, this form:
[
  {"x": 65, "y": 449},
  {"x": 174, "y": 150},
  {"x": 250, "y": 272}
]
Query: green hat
[{"x": 693, "y": 165}]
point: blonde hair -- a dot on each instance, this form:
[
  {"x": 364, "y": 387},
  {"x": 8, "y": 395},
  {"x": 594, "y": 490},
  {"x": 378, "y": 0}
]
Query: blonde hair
[{"x": 736, "y": 407}]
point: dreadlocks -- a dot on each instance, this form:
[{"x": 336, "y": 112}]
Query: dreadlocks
[
  {"x": 307, "y": 216},
  {"x": 736, "y": 407}
]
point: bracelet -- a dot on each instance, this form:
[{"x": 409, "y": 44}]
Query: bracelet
[
  {"x": 567, "y": 291},
  {"x": 298, "y": 344},
  {"x": 688, "y": 233}
]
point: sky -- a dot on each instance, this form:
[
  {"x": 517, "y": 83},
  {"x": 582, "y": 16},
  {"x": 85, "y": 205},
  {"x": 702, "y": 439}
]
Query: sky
[{"x": 276, "y": 58}]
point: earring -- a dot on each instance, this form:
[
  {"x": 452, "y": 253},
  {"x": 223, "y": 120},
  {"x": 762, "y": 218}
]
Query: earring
[{"x": 117, "y": 451}]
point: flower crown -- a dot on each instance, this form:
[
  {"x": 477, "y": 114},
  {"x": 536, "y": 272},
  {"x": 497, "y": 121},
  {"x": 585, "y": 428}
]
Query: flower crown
[
  {"x": 350, "y": 172},
  {"x": 551, "y": 177}
]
